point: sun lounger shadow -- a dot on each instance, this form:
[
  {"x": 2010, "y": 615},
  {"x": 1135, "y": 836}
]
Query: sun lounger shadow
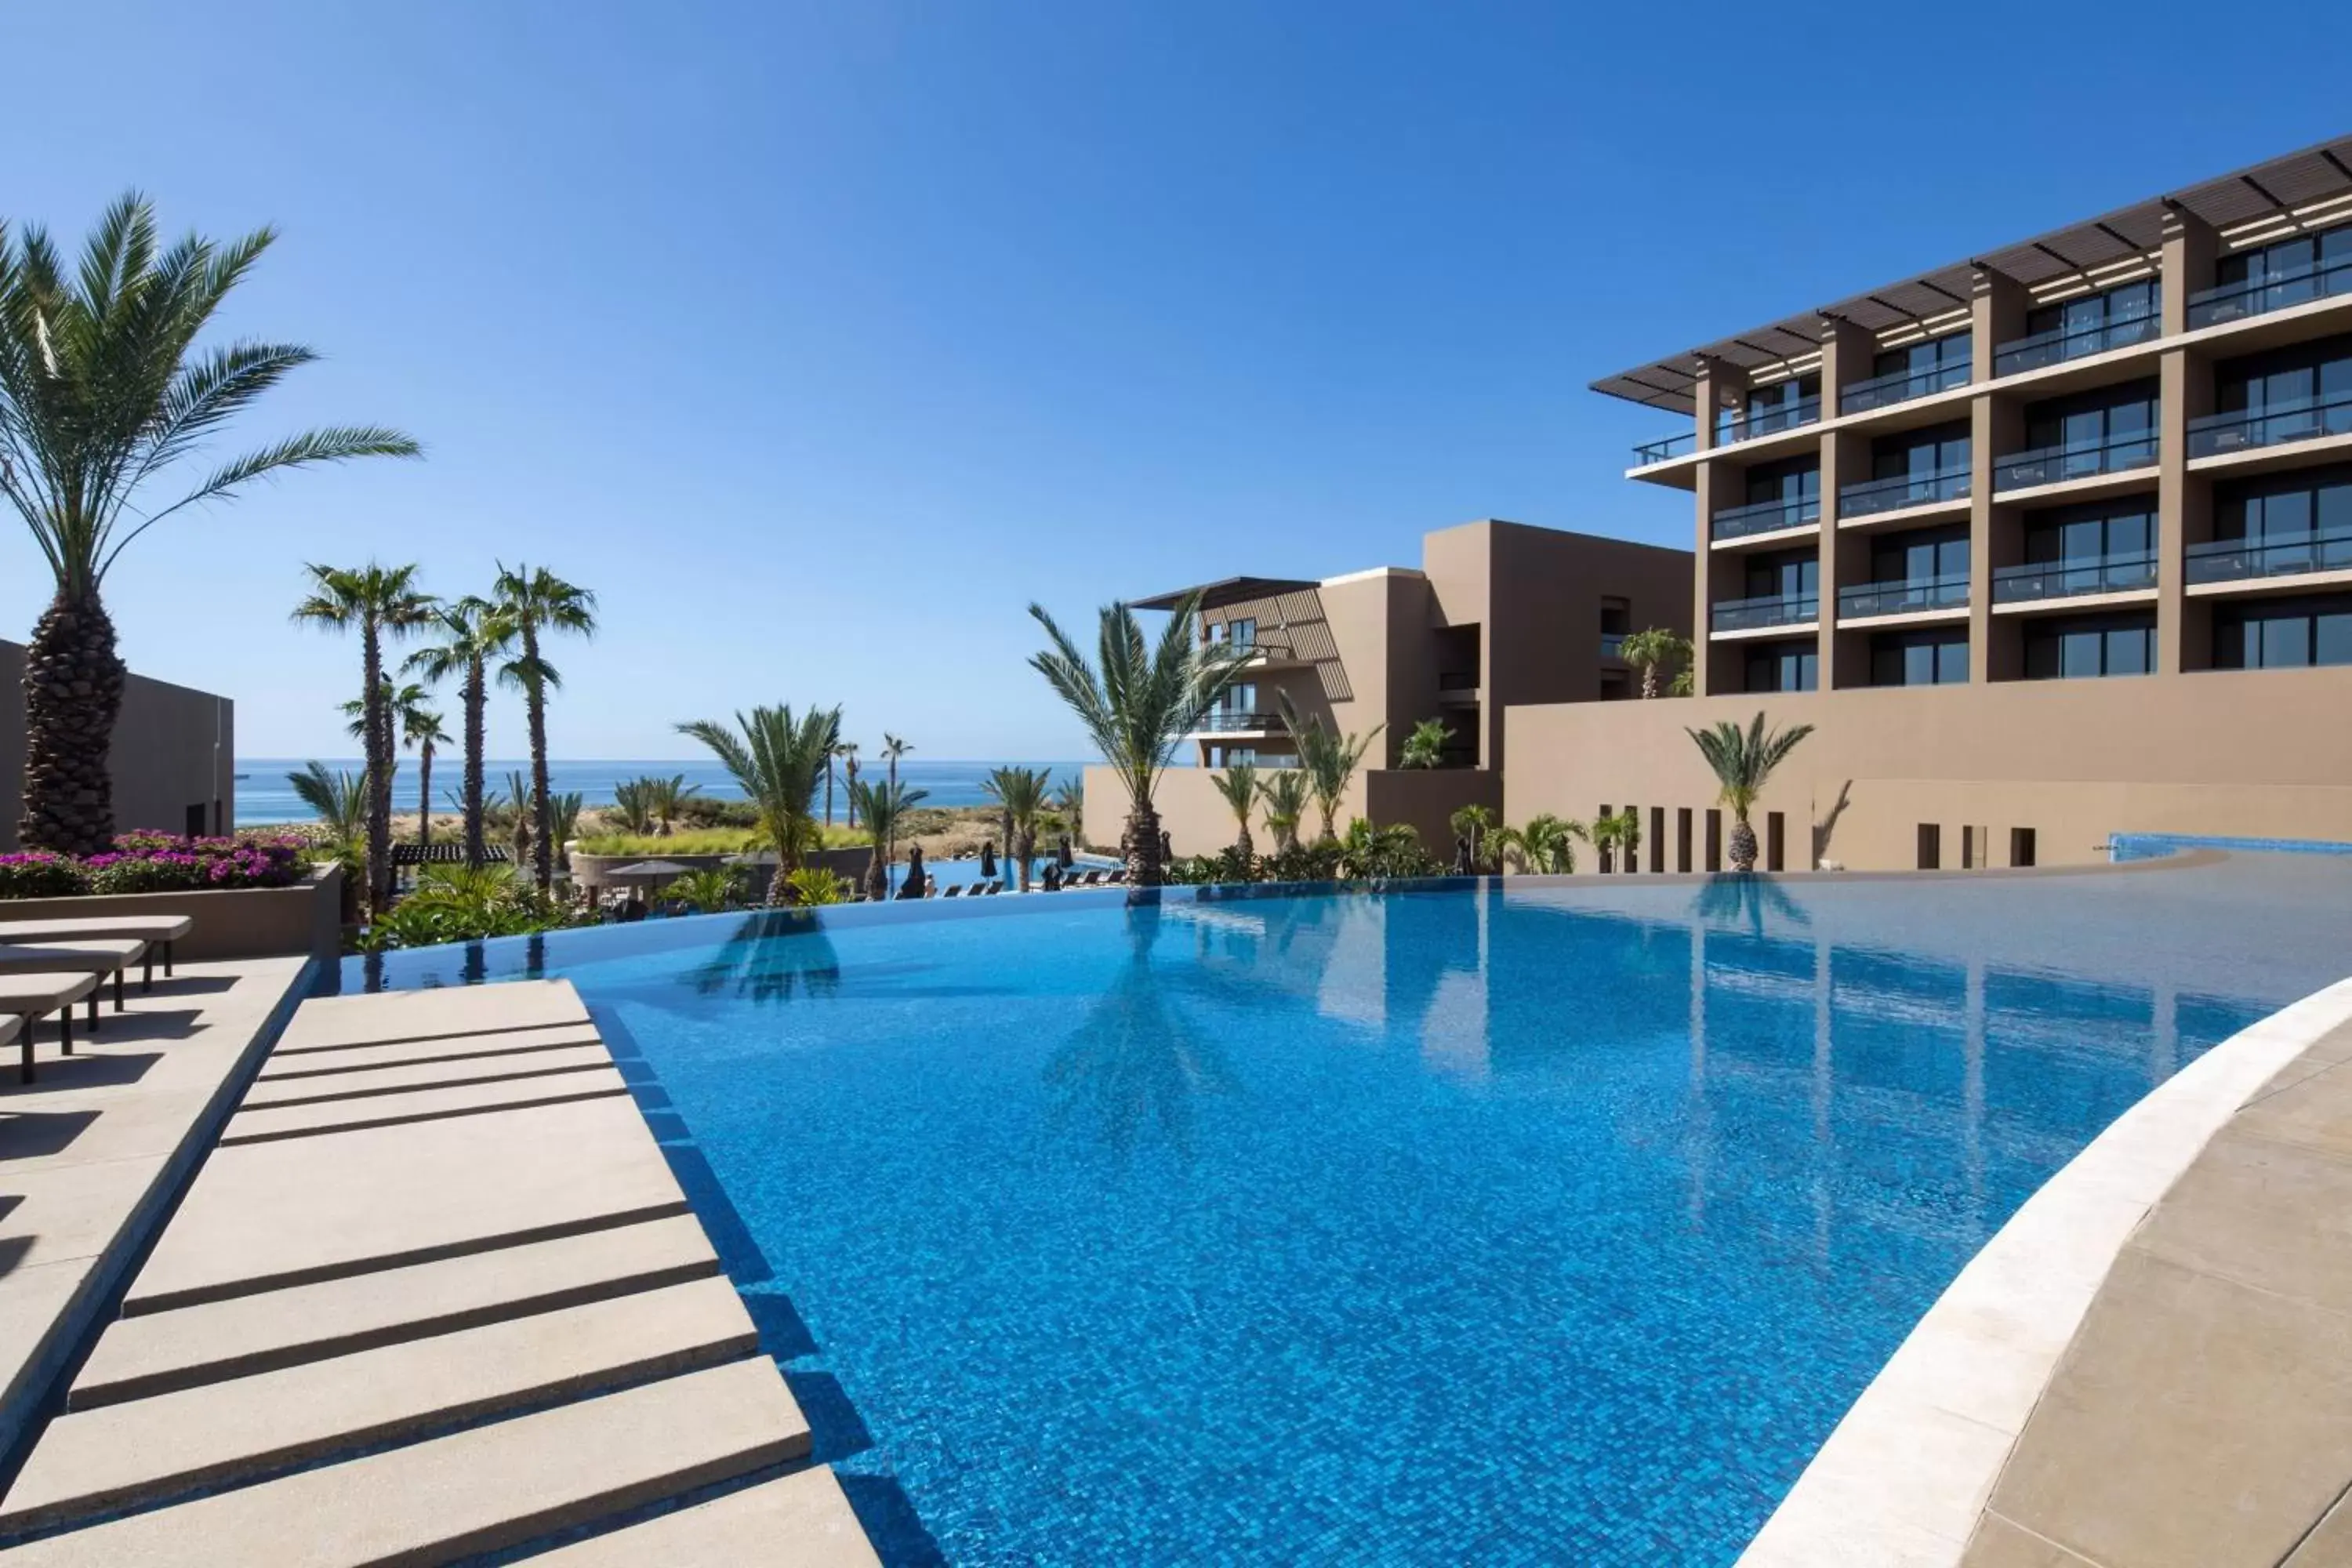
[{"x": 89, "y": 1067}]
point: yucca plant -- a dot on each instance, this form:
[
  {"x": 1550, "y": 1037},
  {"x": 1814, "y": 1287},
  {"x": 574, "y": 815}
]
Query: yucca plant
[
  {"x": 1139, "y": 705},
  {"x": 1547, "y": 845},
  {"x": 102, "y": 390},
  {"x": 883, "y": 808},
  {"x": 1238, "y": 784},
  {"x": 1022, "y": 792},
  {"x": 1328, "y": 758},
  {"x": 1284, "y": 793},
  {"x": 777, "y": 760},
  {"x": 1743, "y": 760}
]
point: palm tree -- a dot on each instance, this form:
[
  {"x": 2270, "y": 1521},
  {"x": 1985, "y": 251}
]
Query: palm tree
[
  {"x": 1069, "y": 804},
  {"x": 1545, "y": 845},
  {"x": 1425, "y": 747},
  {"x": 893, "y": 749},
  {"x": 564, "y": 821},
  {"x": 882, "y": 807},
  {"x": 1652, "y": 649},
  {"x": 633, "y": 804},
  {"x": 847, "y": 753},
  {"x": 1285, "y": 792},
  {"x": 663, "y": 798},
  {"x": 1474, "y": 824},
  {"x": 1619, "y": 832},
  {"x": 539, "y": 602},
  {"x": 776, "y": 760},
  {"x": 467, "y": 635},
  {"x": 1022, "y": 792},
  {"x": 1743, "y": 760},
  {"x": 419, "y": 728},
  {"x": 340, "y": 799},
  {"x": 101, "y": 390},
  {"x": 382, "y": 602},
  {"x": 523, "y": 809},
  {"x": 1140, "y": 706},
  {"x": 1238, "y": 784},
  {"x": 1330, "y": 759}
]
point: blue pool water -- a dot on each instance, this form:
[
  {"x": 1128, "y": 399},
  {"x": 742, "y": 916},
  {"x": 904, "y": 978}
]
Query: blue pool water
[{"x": 1517, "y": 1225}]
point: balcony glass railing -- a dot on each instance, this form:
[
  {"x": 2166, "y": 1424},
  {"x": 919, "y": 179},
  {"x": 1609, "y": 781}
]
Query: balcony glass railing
[
  {"x": 2235, "y": 301},
  {"x": 2063, "y": 343},
  {"x": 2069, "y": 579},
  {"x": 1765, "y": 517},
  {"x": 2075, "y": 460},
  {"x": 2271, "y": 555},
  {"x": 1903, "y": 491},
  {"x": 1650, "y": 452},
  {"x": 2302, "y": 419},
  {"x": 1765, "y": 421},
  {"x": 1768, "y": 610},
  {"x": 1886, "y": 391},
  {"x": 1240, "y": 721},
  {"x": 1903, "y": 597}
]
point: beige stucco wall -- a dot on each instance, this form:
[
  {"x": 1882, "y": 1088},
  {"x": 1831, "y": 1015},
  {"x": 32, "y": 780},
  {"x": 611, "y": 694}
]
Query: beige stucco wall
[
  {"x": 174, "y": 748},
  {"x": 2259, "y": 753},
  {"x": 1198, "y": 821}
]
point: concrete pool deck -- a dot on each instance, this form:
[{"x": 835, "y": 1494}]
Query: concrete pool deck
[
  {"x": 435, "y": 1293},
  {"x": 2149, "y": 1366}
]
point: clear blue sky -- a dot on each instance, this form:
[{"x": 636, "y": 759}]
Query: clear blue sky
[{"x": 819, "y": 338}]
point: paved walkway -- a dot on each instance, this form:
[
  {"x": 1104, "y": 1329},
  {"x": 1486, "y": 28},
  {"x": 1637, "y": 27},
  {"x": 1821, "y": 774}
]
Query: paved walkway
[{"x": 434, "y": 1294}]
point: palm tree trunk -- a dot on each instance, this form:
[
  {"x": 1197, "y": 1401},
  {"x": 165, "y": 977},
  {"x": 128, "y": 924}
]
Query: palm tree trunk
[
  {"x": 1026, "y": 843},
  {"x": 828, "y": 792},
  {"x": 73, "y": 694},
  {"x": 377, "y": 716},
  {"x": 877, "y": 874},
  {"x": 542, "y": 805},
  {"x": 1143, "y": 867},
  {"x": 475, "y": 702},
  {"x": 425, "y": 794},
  {"x": 1743, "y": 846},
  {"x": 1649, "y": 681},
  {"x": 1245, "y": 848}
]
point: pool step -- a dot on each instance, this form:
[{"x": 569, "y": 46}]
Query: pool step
[
  {"x": 332, "y": 1059},
  {"x": 803, "y": 1521},
  {"x": 403, "y": 1078},
  {"x": 311, "y": 1117},
  {"x": 340, "y": 1021}
]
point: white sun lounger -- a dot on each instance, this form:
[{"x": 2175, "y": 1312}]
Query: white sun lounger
[
  {"x": 26, "y": 999},
  {"x": 160, "y": 931},
  {"x": 104, "y": 955}
]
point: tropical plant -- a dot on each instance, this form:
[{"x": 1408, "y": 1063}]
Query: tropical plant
[
  {"x": 379, "y": 602},
  {"x": 1655, "y": 648},
  {"x": 563, "y": 821},
  {"x": 462, "y": 639},
  {"x": 1328, "y": 758},
  {"x": 1547, "y": 845},
  {"x": 709, "y": 890},
  {"x": 1743, "y": 760},
  {"x": 1394, "y": 850},
  {"x": 1686, "y": 682},
  {"x": 520, "y": 815},
  {"x": 693, "y": 841},
  {"x": 1302, "y": 863},
  {"x": 461, "y": 903},
  {"x": 1284, "y": 793},
  {"x": 1022, "y": 792},
  {"x": 539, "y": 604},
  {"x": 777, "y": 760},
  {"x": 1619, "y": 833},
  {"x": 847, "y": 752},
  {"x": 633, "y": 805},
  {"x": 101, "y": 391},
  {"x": 893, "y": 748},
  {"x": 1425, "y": 747},
  {"x": 664, "y": 797},
  {"x": 883, "y": 808},
  {"x": 1474, "y": 825},
  {"x": 815, "y": 884},
  {"x": 1069, "y": 804},
  {"x": 419, "y": 729},
  {"x": 339, "y": 800},
  {"x": 1238, "y": 784},
  {"x": 1139, "y": 706}
]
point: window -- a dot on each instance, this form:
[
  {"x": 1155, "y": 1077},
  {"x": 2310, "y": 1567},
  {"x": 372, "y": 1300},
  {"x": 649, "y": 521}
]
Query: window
[
  {"x": 1779, "y": 406},
  {"x": 2284, "y": 634},
  {"x": 2116, "y": 312},
  {"x": 2089, "y": 648},
  {"x": 2287, "y": 269},
  {"x": 1784, "y": 666},
  {"x": 1238, "y": 701},
  {"x": 2287, "y": 506},
  {"x": 1795, "y": 481},
  {"x": 2114, "y": 416},
  {"x": 2086, "y": 535},
  {"x": 1920, "y": 453},
  {"x": 1790, "y": 576},
  {"x": 2288, "y": 379},
  {"x": 1616, "y": 616},
  {"x": 1921, "y": 359},
  {"x": 1936, "y": 658},
  {"x": 1926, "y": 556}
]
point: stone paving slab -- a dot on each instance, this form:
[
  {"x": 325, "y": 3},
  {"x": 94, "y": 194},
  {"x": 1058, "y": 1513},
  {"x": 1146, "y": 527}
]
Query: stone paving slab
[
  {"x": 407, "y": 1076},
  {"x": 326, "y": 1062},
  {"x": 471, "y": 1492},
  {"x": 332, "y": 1021},
  {"x": 296, "y": 1210},
  {"x": 163, "y": 1351},
  {"x": 800, "y": 1520},
  {"x": 148, "y": 1449},
  {"x": 333, "y": 1116}
]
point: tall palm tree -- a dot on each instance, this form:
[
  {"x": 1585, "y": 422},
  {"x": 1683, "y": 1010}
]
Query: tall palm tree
[
  {"x": 1022, "y": 792},
  {"x": 1652, "y": 649},
  {"x": 1238, "y": 784},
  {"x": 1140, "y": 705},
  {"x": 380, "y": 602},
  {"x": 883, "y": 807},
  {"x": 539, "y": 603},
  {"x": 847, "y": 752},
  {"x": 776, "y": 759},
  {"x": 663, "y": 798},
  {"x": 419, "y": 730},
  {"x": 102, "y": 390},
  {"x": 1329, "y": 759},
  {"x": 1285, "y": 792},
  {"x": 893, "y": 748},
  {"x": 1743, "y": 760},
  {"x": 464, "y": 637}
]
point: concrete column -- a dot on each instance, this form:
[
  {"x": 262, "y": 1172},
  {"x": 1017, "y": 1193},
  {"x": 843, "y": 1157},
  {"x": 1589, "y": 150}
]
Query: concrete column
[
  {"x": 1717, "y": 382},
  {"x": 1848, "y": 353},
  {"x": 2183, "y": 504},
  {"x": 2191, "y": 249},
  {"x": 1997, "y": 306}
]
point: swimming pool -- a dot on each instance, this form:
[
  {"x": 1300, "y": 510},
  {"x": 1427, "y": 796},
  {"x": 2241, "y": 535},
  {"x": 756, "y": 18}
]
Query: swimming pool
[{"x": 1508, "y": 1225}]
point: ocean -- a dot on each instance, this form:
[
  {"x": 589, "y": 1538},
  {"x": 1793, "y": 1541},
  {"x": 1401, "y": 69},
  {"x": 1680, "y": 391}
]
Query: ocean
[{"x": 264, "y": 796}]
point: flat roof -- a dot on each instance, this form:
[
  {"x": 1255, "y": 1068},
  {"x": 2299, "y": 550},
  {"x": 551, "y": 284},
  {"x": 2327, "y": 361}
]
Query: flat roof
[
  {"x": 2259, "y": 190},
  {"x": 1225, "y": 591}
]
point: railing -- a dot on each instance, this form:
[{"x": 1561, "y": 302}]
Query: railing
[
  {"x": 2067, "y": 579},
  {"x": 1902, "y": 387},
  {"x": 1904, "y": 597},
  {"x": 1650, "y": 452},
  {"x": 2302, "y": 419},
  {"x": 1764, "y": 421},
  {"x": 1902, "y": 491},
  {"x": 1240, "y": 721},
  {"x": 1457, "y": 680},
  {"x": 2271, "y": 555},
  {"x": 1765, "y": 517},
  {"x": 2236, "y": 301},
  {"x": 1612, "y": 645},
  {"x": 2059, "y": 344},
  {"x": 1768, "y": 610},
  {"x": 2051, "y": 465}
]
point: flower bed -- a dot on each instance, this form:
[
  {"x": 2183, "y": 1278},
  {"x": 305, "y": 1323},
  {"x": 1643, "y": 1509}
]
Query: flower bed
[{"x": 148, "y": 862}]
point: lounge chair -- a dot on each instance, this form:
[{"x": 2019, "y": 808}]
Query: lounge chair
[
  {"x": 1117, "y": 875},
  {"x": 105, "y": 955},
  {"x": 954, "y": 891},
  {"x": 28, "y": 998},
  {"x": 160, "y": 931},
  {"x": 1092, "y": 880},
  {"x": 994, "y": 887}
]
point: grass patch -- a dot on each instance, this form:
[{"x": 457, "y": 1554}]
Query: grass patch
[{"x": 699, "y": 841}]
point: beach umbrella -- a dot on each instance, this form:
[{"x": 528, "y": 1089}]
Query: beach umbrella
[
  {"x": 988, "y": 859},
  {"x": 648, "y": 872}
]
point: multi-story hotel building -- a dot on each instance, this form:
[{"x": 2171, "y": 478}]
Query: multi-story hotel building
[{"x": 2094, "y": 488}]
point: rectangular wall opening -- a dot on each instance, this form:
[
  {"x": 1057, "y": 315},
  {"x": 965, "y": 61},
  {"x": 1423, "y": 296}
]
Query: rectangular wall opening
[
  {"x": 1608, "y": 861},
  {"x": 1714, "y": 839},
  {"x": 2021, "y": 847},
  {"x": 1931, "y": 846},
  {"x": 1657, "y": 838},
  {"x": 1776, "y": 837},
  {"x": 1683, "y": 838},
  {"x": 1634, "y": 846}
]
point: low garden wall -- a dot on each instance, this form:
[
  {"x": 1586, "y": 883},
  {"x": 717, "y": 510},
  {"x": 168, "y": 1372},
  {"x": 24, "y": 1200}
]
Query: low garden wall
[{"x": 233, "y": 922}]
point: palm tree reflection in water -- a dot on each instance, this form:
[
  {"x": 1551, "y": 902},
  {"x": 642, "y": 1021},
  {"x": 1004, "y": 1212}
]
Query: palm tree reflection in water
[
  {"x": 771, "y": 959},
  {"x": 1744, "y": 899},
  {"x": 1134, "y": 1063}
]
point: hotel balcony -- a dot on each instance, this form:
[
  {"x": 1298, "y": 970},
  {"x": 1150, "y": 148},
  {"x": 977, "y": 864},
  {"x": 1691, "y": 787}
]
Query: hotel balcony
[
  {"x": 1770, "y": 517},
  {"x": 2052, "y": 583},
  {"x": 1734, "y": 616},
  {"x": 2297, "y": 557},
  {"x": 2061, "y": 465},
  {"x": 1903, "y": 596},
  {"x": 1659, "y": 451},
  {"x": 1770, "y": 421},
  {"x": 1886, "y": 390},
  {"x": 2302, "y": 419},
  {"x": 1902, "y": 493},
  {"x": 2237, "y": 302},
  {"x": 2059, "y": 345},
  {"x": 1457, "y": 689},
  {"x": 1237, "y": 724}
]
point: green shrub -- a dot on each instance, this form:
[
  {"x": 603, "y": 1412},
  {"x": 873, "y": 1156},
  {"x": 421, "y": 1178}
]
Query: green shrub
[{"x": 38, "y": 874}]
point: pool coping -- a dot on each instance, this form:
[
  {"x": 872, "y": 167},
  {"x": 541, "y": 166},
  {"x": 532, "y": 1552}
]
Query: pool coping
[{"x": 1902, "y": 1480}]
